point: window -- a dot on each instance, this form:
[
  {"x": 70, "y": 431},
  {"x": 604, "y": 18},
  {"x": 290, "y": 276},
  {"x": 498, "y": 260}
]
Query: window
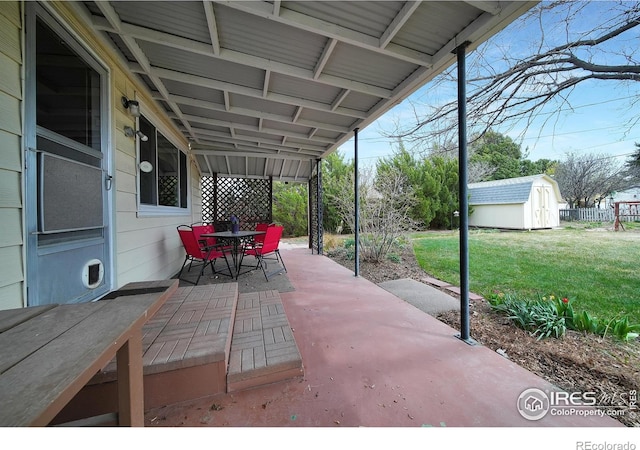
[{"x": 163, "y": 170}]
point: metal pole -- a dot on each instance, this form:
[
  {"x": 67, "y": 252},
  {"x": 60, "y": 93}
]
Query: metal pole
[
  {"x": 356, "y": 201},
  {"x": 319, "y": 218},
  {"x": 462, "y": 190}
]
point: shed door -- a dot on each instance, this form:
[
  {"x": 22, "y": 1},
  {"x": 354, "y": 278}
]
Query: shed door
[
  {"x": 542, "y": 208},
  {"x": 66, "y": 197}
]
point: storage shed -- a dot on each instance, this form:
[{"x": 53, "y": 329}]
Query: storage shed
[{"x": 523, "y": 203}]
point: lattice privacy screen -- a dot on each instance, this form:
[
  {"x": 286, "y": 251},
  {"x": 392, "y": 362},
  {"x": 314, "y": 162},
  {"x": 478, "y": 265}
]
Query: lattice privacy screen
[
  {"x": 247, "y": 199},
  {"x": 168, "y": 190}
]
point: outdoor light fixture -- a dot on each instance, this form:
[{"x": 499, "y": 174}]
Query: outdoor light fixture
[
  {"x": 132, "y": 105},
  {"x": 130, "y": 132}
]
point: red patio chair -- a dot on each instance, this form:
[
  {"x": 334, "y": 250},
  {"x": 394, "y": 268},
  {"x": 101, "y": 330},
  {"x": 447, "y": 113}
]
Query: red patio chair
[
  {"x": 263, "y": 251},
  {"x": 259, "y": 239},
  {"x": 197, "y": 251},
  {"x": 200, "y": 228}
]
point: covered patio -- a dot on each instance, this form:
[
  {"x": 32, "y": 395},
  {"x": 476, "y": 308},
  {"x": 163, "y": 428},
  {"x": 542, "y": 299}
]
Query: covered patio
[
  {"x": 188, "y": 91},
  {"x": 371, "y": 359}
]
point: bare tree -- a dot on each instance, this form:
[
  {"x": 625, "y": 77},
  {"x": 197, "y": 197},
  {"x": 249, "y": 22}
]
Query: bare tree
[
  {"x": 575, "y": 42},
  {"x": 385, "y": 204},
  {"x": 479, "y": 171},
  {"x": 584, "y": 180}
]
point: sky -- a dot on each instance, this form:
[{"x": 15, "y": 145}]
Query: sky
[{"x": 596, "y": 125}]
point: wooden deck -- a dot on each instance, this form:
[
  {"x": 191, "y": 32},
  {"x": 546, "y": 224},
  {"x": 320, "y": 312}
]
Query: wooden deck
[{"x": 204, "y": 340}]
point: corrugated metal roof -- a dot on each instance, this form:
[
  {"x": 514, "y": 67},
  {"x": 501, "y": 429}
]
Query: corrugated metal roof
[{"x": 263, "y": 88}]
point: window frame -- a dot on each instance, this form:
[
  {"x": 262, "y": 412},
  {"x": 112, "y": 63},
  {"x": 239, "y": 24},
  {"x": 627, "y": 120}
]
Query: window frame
[{"x": 150, "y": 210}]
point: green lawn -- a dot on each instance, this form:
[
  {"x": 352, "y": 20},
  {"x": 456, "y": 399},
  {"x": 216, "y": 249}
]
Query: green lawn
[{"x": 599, "y": 269}]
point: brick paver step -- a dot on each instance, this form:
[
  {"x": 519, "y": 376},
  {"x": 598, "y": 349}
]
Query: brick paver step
[
  {"x": 263, "y": 348},
  {"x": 192, "y": 328}
]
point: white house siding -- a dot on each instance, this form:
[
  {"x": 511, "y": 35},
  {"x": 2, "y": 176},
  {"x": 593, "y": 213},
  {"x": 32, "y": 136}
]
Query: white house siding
[
  {"x": 11, "y": 241},
  {"x": 497, "y": 216},
  {"x": 628, "y": 195},
  {"x": 145, "y": 248}
]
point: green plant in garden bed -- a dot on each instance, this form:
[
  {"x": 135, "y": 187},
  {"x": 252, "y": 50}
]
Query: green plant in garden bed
[
  {"x": 538, "y": 316},
  {"x": 551, "y": 316}
]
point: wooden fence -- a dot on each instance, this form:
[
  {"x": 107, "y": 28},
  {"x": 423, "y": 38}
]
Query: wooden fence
[
  {"x": 587, "y": 214},
  {"x": 597, "y": 215}
]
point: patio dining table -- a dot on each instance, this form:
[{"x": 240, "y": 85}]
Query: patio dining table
[{"x": 236, "y": 239}]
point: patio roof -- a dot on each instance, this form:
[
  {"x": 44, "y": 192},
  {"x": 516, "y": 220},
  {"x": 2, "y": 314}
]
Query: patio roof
[{"x": 263, "y": 88}]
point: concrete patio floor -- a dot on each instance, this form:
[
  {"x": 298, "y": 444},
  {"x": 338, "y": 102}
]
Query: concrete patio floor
[{"x": 372, "y": 360}]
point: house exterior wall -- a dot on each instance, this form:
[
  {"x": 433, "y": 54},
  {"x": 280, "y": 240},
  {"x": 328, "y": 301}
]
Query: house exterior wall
[
  {"x": 628, "y": 195},
  {"x": 12, "y": 267},
  {"x": 509, "y": 216},
  {"x": 146, "y": 247}
]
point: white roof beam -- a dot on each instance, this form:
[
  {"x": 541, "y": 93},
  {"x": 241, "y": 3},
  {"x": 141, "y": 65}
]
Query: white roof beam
[
  {"x": 189, "y": 45},
  {"x": 331, "y": 30},
  {"x": 253, "y": 177},
  {"x": 180, "y": 100},
  {"x": 298, "y": 170},
  {"x": 492, "y": 8},
  {"x": 213, "y": 27},
  {"x": 228, "y": 164},
  {"x": 336, "y": 103},
  {"x": 265, "y": 86},
  {"x": 206, "y": 160},
  {"x": 114, "y": 20},
  {"x": 251, "y": 92},
  {"x": 324, "y": 58},
  {"x": 213, "y": 151},
  {"x": 396, "y": 24},
  {"x": 241, "y": 126},
  {"x": 273, "y": 143}
]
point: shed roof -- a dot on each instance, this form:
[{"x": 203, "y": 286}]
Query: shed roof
[{"x": 507, "y": 191}]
